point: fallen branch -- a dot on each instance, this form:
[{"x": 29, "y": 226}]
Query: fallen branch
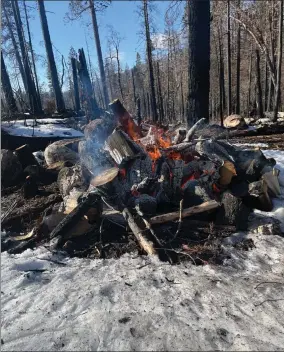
[
  {"x": 137, "y": 232},
  {"x": 206, "y": 206},
  {"x": 193, "y": 129}
]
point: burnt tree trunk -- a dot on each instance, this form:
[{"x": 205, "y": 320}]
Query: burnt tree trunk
[
  {"x": 33, "y": 98},
  {"x": 238, "y": 63},
  {"x": 221, "y": 78},
  {"x": 160, "y": 97},
  {"x": 249, "y": 82},
  {"x": 92, "y": 104},
  {"x": 33, "y": 58},
  {"x": 51, "y": 62},
  {"x": 16, "y": 50},
  {"x": 75, "y": 84},
  {"x": 279, "y": 62},
  {"x": 133, "y": 85},
  {"x": 198, "y": 60},
  {"x": 150, "y": 62},
  {"x": 229, "y": 59},
  {"x": 99, "y": 52},
  {"x": 7, "y": 88},
  {"x": 258, "y": 85}
]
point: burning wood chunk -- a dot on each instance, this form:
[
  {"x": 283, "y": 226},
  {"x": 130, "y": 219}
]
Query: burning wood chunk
[
  {"x": 125, "y": 119},
  {"x": 233, "y": 211},
  {"x": 120, "y": 146}
]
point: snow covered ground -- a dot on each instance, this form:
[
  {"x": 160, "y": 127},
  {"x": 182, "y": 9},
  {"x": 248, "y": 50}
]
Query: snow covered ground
[
  {"x": 139, "y": 303},
  {"x": 45, "y": 128}
]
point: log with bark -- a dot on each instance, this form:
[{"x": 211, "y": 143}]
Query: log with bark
[{"x": 160, "y": 219}]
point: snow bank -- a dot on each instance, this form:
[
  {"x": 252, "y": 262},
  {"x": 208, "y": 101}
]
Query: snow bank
[
  {"x": 143, "y": 304},
  {"x": 50, "y": 128},
  {"x": 278, "y": 155}
]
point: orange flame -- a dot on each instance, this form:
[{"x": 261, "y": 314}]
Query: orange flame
[
  {"x": 153, "y": 152},
  {"x": 189, "y": 178}
]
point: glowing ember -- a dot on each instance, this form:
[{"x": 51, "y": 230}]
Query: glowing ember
[
  {"x": 122, "y": 172},
  {"x": 153, "y": 152},
  {"x": 189, "y": 178},
  {"x": 215, "y": 188},
  {"x": 175, "y": 156}
]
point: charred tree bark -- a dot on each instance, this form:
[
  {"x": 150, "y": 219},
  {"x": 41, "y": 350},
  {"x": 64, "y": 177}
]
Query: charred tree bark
[
  {"x": 17, "y": 54},
  {"x": 238, "y": 63},
  {"x": 221, "y": 78},
  {"x": 133, "y": 85},
  {"x": 92, "y": 104},
  {"x": 7, "y": 88},
  {"x": 229, "y": 87},
  {"x": 279, "y": 62},
  {"x": 249, "y": 83},
  {"x": 51, "y": 62},
  {"x": 198, "y": 60},
  {"x": 160, "y": 97},
  {"x": 150, "y": 62},
  {"x": 99, "y": 51},
  {"x": 258, "y": 85},
  {"x": 33, "y": 58},
  {"x": 75, "y": 84},
  {"x": 33, "y": 99},
  {"x": 138, "y": 111}
]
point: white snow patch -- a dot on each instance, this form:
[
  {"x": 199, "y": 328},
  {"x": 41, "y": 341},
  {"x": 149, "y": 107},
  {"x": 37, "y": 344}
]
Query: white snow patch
[
  {"x": 143, "y": 304},
  {"x": 47, "y": 128},
  {"x": 260, "y": 145},
  {"x": 278, "y": 155}
]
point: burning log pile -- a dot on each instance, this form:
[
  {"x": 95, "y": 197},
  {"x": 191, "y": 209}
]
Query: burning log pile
[{"x": 153, "y": 176}]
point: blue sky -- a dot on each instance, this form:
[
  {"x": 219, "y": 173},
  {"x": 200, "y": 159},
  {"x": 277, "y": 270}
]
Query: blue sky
[{"x": 120, "y": 14}]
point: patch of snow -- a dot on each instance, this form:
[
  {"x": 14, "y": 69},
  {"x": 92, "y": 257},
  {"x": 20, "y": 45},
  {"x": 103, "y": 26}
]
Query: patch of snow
[
  {"x": 45, "y": 130},
  {"x": 143, "y": 304},
  {"x": 260, "y": 145},
  {"x": 278, "y": 155}
]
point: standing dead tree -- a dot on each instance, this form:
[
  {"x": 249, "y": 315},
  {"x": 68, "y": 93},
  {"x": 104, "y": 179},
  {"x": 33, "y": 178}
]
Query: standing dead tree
[
  {"x": 50, "y": 56},
  {"x": 93, "y": 110},
  {"x": 32, "y": 93},
  {"x": 198, "y": 60},
  {"x": 150, "y": 61},
  {"x": 7, "y": 88}
]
